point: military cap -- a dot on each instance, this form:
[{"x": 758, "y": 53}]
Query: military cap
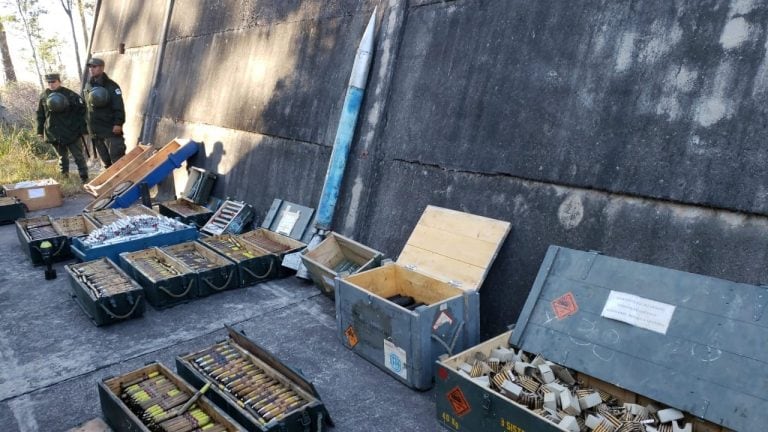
[
  {"x": 52, "y": 77},
  {"x": 95, "y": 61}
]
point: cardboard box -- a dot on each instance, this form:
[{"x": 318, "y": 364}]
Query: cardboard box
[
  {"x": 642, "y": 334},
  {"x": 36, "y": 194},
  {"x": 442, "y": 267}
]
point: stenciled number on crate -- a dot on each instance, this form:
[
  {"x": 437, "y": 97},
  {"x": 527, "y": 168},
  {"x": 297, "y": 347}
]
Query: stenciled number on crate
[
  {"x": 450, "y": 421},
  {"x": 509, "y": 426},
  {"x": 458, "y": 401}
]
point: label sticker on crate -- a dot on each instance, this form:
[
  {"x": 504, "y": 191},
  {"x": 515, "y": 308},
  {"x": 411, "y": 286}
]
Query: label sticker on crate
[
  {"x": 287, "y": 222},
  {"x": 565, "y": 306},
  {"x": 638, "y": 311},
  {"x": 351, "y": 336},
  {"x": 443, "y": 317},
  {"x": 458, "y": 401},
  {"x": 395, "y": 359},
  {"x": 36, "y": 193}
]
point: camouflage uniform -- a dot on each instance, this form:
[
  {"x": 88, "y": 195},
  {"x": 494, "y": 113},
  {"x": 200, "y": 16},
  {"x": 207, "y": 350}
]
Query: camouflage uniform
[{"x": 64, "y": 129}]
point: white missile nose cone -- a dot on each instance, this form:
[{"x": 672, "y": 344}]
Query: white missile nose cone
[{"x": 359, "y": 76}]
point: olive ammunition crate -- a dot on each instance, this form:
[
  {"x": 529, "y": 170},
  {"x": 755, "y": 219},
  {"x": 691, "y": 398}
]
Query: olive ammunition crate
[
  {"x": 336, "y": 256},
  {"x": 254, "y": 264},
  {"x": 214, "y": 272},
  {"x": 74, "y": 226},
  {"x": 105, "y": 292},
  {"x": 118, "y": 171},
  {"x": 137, "y": 210},
  {"x": 123, "y": 403},
  {"x": 277, "y": 244},
  {"x": 186, "y": 211},
  {"x": 254, "y": 387},
  {"x": 231, "y": 218},
  {"x": 166, "y": 281},
  {"x": 32, "y": 232},
  {"x": 84, "y": 252},
  {"x": 671, "y": 347},
  {"x": 11, "y": 208},
  {"x": 402, "y": 316},
  {"x": 104, "y": 217}
]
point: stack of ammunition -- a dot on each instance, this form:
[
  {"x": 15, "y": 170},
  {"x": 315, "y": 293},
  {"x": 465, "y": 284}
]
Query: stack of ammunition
[
  {"x": 130, "y": 228},
  {"x": 154, "y": 267},
  {"x": 42, "y": 230},
  {"x": 101, "y": 278},
  {"x": 73, "y": 226},
  {"x": 551, "y": 391},
  {"x": 263, "y": 396},
  {"x": 232, "y": 247},
  {"x": 346, "y": 266},
  {"x": 192, "y": 257},
  {"x": 259, "y": 239},
  {"x": 156, "y": 400},
  {"x": 407, "y": 302}
]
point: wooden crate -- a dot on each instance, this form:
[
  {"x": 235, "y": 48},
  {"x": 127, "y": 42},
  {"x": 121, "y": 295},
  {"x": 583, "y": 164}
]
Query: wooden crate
[
  {"x": 118, "y": 171},
  {"x": 121, "y": 419},
  {"x": 166, "y": 282},
  {"x": 442, "y": 266},
  {"x": 338, "y": 255},
  {"x": 74, "y": 226},
  {"x": 215, "y": 273},
  {"x": 309, "y": 413}
]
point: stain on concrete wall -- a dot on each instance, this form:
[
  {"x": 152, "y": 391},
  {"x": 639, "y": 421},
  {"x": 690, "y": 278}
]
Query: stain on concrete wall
[{"x": 632, "y": 128}]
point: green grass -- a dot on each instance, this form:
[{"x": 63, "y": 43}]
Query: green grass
[{"x": 24, "y": 156}]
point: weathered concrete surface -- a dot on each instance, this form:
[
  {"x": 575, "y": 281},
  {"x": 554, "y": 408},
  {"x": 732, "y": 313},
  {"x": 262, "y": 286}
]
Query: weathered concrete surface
[
  {"x": 634, "y": 128},
  {"x": 51, "y": 356}
]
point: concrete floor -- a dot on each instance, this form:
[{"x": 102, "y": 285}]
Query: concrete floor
[{"x": 51, "y": 356}]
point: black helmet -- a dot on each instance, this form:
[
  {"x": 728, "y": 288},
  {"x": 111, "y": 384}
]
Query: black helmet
[
  {"x": 98, "y": 97},
  {"x": 57, "y": 102}
]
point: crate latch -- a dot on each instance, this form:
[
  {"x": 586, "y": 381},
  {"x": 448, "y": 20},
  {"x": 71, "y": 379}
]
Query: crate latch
[
  {"x": 305, "y": 420},
  {"x": 486, "y": 402}
]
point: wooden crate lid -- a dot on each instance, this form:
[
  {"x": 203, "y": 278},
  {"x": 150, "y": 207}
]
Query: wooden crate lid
[
  {"x": 453, "y": 246},
  {"x": 693, "y": 342}
]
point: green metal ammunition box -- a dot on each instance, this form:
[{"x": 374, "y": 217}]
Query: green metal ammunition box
[
  {"x": 186, "y": 212},
  {"x": 112, "y": 305},
  {"x": 254, "y": 264},
  {"x": 121, "y": 419},
  {"x": 11, "y": 208},
  {"x": 310, "y": 416},
  {"x": 215, "y": 273},
  {"x": 166, "y": 282},
  {"x": 34, "y": 231},
  {"x": 638, "y": 333}
]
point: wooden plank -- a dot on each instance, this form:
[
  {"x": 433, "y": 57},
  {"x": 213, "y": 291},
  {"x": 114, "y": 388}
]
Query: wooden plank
[
  {"x": 443, "y": 268},
  {"x": 474, "y": 226},
  {"x": 454, "y": 245}
]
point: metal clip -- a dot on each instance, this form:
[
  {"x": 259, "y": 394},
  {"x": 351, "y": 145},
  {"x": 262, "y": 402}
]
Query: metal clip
[{"x": 486, "y": 402}]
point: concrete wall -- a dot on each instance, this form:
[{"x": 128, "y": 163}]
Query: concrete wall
[{"x": 633, "y": 128}]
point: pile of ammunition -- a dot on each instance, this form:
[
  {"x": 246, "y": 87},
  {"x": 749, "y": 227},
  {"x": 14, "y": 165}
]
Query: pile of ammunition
[
  {"x": 261, "y": 240},
  {"x": 232, "y": 247},
  {"x": 221, "y": 220},
  {"x": 192, "y": 257},
  {"x": 130, "y": 228},
  {"x": 551, "y": 391},
  {"x": 101, "y": 278},
  {"x": 346, "y": 266},
  {"x": 71, "y": 226},
  {"x": 157, "y": 401},
  {"x": 407, "y": 302},
  {"x": 155, "y": 267},
  {"x": 262, "y": 396},
  {"x": 41, "y": 230}
]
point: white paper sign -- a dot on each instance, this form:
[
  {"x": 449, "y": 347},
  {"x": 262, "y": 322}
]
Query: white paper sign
[
  {"x": 638, "y": 311},
  {"x": 287, "y": 222},
  {"x": 394, "y": 359},
  {"x": 36, "y": 193}
]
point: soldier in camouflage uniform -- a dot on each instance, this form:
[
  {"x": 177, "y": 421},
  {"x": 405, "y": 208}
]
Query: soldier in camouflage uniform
[
  {"x": 106, "y": 114},
  {"x": 61, "y": 122}
]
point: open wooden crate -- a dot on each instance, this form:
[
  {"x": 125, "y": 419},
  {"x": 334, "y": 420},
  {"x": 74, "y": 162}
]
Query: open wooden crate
[
  {"x": 338, "y": 255},
  {"x": 118, "y": 171},
  {"x": 74, "y": 226}
]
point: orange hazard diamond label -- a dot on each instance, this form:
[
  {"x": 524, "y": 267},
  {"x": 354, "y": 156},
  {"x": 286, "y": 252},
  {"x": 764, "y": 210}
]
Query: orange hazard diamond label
[
  {"x": 458, "y": 401},
  {"x": 565, "y": 306},
  {"x": 351, "y": 336}
]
